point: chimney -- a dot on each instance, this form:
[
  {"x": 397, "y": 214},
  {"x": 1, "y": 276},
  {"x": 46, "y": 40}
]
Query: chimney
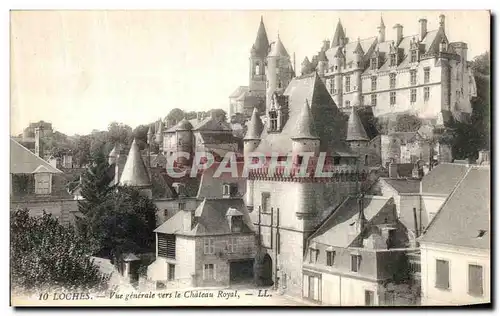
[
  {"x": 399, "y": 33},
  {"x": 188, "y": 220},
  {"x": 441, "y": 21},
  {"x": 360, "y": 225},
  {"x": 326, "y": 45},
  {"x": 393, "y": 170},
  {"x": 423, "y": 28}
]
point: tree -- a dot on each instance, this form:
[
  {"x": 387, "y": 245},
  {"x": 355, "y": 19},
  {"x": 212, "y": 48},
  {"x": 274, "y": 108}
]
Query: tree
[
  {"x": 45, "y": 254},
  {"x": 124, "y": 222},
  {"x": 175, "y": 115},
  {"x": 407, "y": 123},
  {"x": 219, "y": 114},
  {"x": 119, "y": 133}
]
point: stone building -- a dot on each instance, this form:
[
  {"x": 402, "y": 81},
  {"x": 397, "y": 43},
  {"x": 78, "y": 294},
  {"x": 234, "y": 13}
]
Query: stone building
[
  {"x": 422, "y": 74},
  {"x": 455, "y": 247}
]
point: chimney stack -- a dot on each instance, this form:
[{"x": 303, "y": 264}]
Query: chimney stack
[
  {"x": 441, "y": 21},
  {"x": 399, "y": 33},
  {"x": 423, "y": 28},
  {"x": 393, "y": 170}
]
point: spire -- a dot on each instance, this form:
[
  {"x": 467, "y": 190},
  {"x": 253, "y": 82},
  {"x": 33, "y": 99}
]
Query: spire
[
  {"x": 339, "y": 36},
  {"x": 306, "y": 62},
  {"x": 339, "y": 54},
  {"x": 322, "y": 56},
  {"x": 278, "y": 50},
  {"x": 261, "y": 45},
  {"x": 113, "y": 154},
  {"x": 134, "y": 172},
  {"x": 361, "y": 220},
  {"x": 150, "y": 132},
  {"x": 255, "y": 126},
  {"x": 382, "y": 25},
  {"x": 355, "y": 129},
  {"x": 358, "y": 49},
  {"x": 305, "y": 126}
]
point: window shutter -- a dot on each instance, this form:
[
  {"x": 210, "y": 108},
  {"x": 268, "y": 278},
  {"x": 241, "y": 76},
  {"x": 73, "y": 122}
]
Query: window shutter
[
  {"x": 475, "y": 279},
  {"x": 442, "y": 274}
]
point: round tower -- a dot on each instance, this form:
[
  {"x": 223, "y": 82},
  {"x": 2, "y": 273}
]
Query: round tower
[
  {"x": 252, "y": 138},
  {"x": 358, "y": 69},
  {"x": 337, "y": 70},
  {"x": 150, "y": 136},
  {"x": 184, "y": 137},
  {"x": 159, "y": 134},
  {"x": 135, "y": 173},
  {"x": 356, "y": 136}
]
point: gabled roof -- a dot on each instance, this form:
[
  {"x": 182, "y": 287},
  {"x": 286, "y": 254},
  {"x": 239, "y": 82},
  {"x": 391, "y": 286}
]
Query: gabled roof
[
  {"x": 261, "y": 45},
  {"x": 403, "y": 185},
  {"x": 443, "y": 178},
  {"x": 339, "y": 34},
  {"x": 23, "y": 161},
  {"x": 355, "y": 129},
  {"x": 465, "y": 213},
  {"x": 255, "y": 126},
  {"x": 335, "y": 231},
  {"x": 329, "y": 121},
  {"x": 211, "y": 187},
  {"x": 278, "y": 49},
  {"x": 212, "y": 124},
  {"x": 366, "y": 44},
  {"x": 134, "y": 173}
]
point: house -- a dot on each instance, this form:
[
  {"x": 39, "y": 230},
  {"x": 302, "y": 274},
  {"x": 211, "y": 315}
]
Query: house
[
  {"x": 358, "y": 256},
  {"x": 455, "y": 247}
]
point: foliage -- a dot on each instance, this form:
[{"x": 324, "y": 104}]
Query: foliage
[
  {"x": 175, "y": 115},
  {"x": 219, "y": 114},
  {"x": 46, "y": 254},
  {"x": 119, "y": 133}
]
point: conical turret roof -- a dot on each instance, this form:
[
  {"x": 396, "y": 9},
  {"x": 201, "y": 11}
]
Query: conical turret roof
[
  {"x": 278, "y": 49},
  {"x": 134, "y": 172},
  {"x": 305, "y": 126},
  {"x": 355, "y": 129},
  {"x": 150, "y": 131},
  {"x": 306, "y": 62},
  {"x": 358, "y": 49},
  {"x": 382, "y": 25},
  {"x": 339, "y": 35},
  {"x": 255, "y": 126},
  {"x": 261, "y": 46}
]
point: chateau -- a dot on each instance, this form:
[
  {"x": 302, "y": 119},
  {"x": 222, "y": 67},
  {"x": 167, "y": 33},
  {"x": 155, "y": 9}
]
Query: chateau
[{"x": 423, "y": 74}]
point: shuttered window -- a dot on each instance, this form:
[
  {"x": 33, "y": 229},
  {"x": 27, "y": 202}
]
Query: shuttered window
[
  {"x": 475, "y": 280},
  {"x": 442, "y": 274},
  {"x": 166, "y": 246},
  {"x": 369, "y": 298}
]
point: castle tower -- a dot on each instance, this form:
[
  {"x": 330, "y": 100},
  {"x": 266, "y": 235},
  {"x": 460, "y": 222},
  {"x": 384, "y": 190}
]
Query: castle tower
[
  {"x": 337, "y": 70},
  {"x": 159, "y": 134},
  {"x": 305, "y": 138},
  {"x": 258, "y": 54},
  {"x": 113, "y": 155},
  {"x": 150, "y": 136},
  {"x": 184, "y": 135},
  {"x": 250, "y": 143},
  {"x": 322, "y": 63},
  {"x": 135, "y": 173},
  {"x": 381, "y": 31},
  {"x": 358, "y": 69},
  {"x": 356, "y": 133},
  {"x": 279, "y": 71}
]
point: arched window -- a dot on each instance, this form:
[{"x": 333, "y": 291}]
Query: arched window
[{"x": 257, "y": 69}]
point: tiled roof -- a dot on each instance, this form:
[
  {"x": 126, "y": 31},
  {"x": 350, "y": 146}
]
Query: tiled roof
[
  {"x": 404, "y": 185},
  {"x": 23, "y": 161},
  {"x": 335, "y": 231},
  {"x": 239, "y": 91},
  {"x": 443, "y": 178},
  {"x": 329, "y": 121},
  {"x": 134, "y": 172},
  {"x": 465, "y": 213}
]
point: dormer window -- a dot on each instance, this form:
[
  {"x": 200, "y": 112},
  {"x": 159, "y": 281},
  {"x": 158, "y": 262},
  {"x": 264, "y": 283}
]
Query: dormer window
[
  {"x": 229, "y": 190},
  {"x": 273, "y": 121},
  {"x": 374, "y": 83},
  {"x": 414, "y": 56},
  {"x": 347, "y": 83},
  {"x": 374, "y": 63},
  {"x": 235, "y": 220},
  {"x": 392, "y": 60}
]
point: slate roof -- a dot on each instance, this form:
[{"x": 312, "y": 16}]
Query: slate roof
[
  {"x": 443, "y": 178},
  {"x": 135, "y": 172},
  {"x": 404, "y": 185},
  {"x": 339, "y": 34},
  {"x": 211, "y": 187},
  {"x": 239, "y": 91},
  {"x": 305, "y": 128},
  {"x": 335, "y": 230},
  {"x": 209, "y": 218},
  {"x": 329, "y": 121},
  {"x": 355, "y": 129},
  {"x": 255, "y": 126},
  {"x": 366, "y": 44},
  {"x": 465, "y": 213},
  {"x": 23, "y": 161},
  {"x": 278, "y": 49},
  {"x": 212, "y": 124},
  {"x": 261, "y": 46}
]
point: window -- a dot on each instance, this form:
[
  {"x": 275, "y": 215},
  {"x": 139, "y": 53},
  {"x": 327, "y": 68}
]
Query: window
[
  {"x": 273, "y": 117},
  {"x": 299, "y": 160},
  {"x": 414, "y": 267},
  {"x": 266, "y": 203},
  {"x": 458, "y": 94},
  {"x": 442, "y": 274},
  {"x": 393, "y": 98},
  {"x": 42, "y": 183},
  {"x": 231, "y": 245},
  {"x": 355, "y": 262},
  {"x": 313, "y": 255},
  {"x": 413, "y": 77},
  {"x": 374, "y": 83},
  {"x": 257, "y": 69},
  {"x": 208, "y": 246},
  {"x": 332, "y": 86},
  {"x": 330, "y": 258},
  {"x": 166, "y": 246},
  {"x": 427, "y": 74},
  {"x": 373, "y": 63},
  {"x": 362, "y": 100},
  {"x": 311, "y": 287},
  {"x": 208, "y": 271},
  {"x": 347, "y": 83},
  {"x": 336, "y": 160},
  {"x": 226, "y": 189},
  {"x": 347, "y": 103},
  {"x": 165, "y": 213},
  {"x": 413, "y": 58},
  {"x": 389, "y": 298},
  {"x": 475, "y": 280},
  {"x": 182, "y": 206},
  {"x": 392, "y": 81},
  {"x": 171, "y": 272},
  {"x": 374, "y": 100},
  {"x": 426, "y": 93},
  {"x": 392, "y": 60},
  {"x": 413, "y": 96},
  {"x": 369, "y": 298}
]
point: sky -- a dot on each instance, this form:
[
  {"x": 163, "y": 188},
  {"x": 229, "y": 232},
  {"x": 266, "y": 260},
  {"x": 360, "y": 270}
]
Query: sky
[{"x": 81, "y": 70}]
